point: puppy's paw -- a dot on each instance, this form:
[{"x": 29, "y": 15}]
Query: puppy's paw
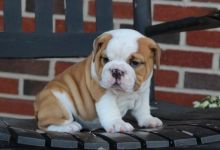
[
  {"x": 118, "y": 126},
  {"x": 68, "y": 128},
  {"x": 152, "y": 122}
]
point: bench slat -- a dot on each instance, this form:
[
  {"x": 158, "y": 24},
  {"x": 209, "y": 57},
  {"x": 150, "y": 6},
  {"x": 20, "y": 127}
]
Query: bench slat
[
  {"x": 61, "y": 140},
  {"x": 12, "y": 16},
  {"x": 36, "y": 45},
  {"x": 150, "y": 140},
  {"x": 142, "y": 14},
  {"x": 27, "y": 137},
  {"x": 91, "y": 141},
  {"x": 5, "y": 135},
  {"x": 171, "y": 135},
  {"x": 120, "y": 140},
  {"x": 74, "y": 15},
  {"x": 104, "y": 20},
  {"x": 176, "y": 138},
  {"x": 43, "y": 15},
  {"x": 204, "y": 135}
]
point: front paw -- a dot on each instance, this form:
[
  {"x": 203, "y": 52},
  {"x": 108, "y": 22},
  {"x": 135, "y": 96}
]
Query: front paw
[
  {"x": 118, "y": 126},
  {"x": 68, "y": 128},
  {"x": 152, "y": 122}
]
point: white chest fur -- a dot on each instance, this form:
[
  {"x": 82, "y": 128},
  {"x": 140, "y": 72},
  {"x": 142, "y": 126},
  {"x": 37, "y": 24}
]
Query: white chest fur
[{"x": 127, "y": 102}]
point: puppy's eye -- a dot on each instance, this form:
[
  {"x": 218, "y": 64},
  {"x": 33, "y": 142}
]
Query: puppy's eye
[
  {"x": 134, "y": 63},
  {"x": 105, "y": 60}
]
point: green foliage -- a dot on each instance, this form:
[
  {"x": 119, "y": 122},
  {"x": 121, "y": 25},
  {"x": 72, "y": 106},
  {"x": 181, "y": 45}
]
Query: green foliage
[{"x": 208, "y": 102}]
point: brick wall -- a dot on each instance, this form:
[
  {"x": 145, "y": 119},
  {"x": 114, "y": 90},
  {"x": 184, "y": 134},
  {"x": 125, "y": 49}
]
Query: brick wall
[{"x": 190, "y": 63}]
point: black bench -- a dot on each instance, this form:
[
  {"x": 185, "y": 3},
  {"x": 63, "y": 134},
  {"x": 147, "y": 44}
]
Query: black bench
[
  {"x": 195, "y": 129},
  {"x": 185, "y": 128}
]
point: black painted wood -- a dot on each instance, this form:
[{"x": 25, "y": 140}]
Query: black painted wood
[
  {"x": 203, "y": 135},
  {"x": 91, "y": 141},
  {"x": 212, "y": 125},
  {"x": 5, "y": 135},
  {"x": 27, "y": 137},
  {"x": 150, "y": 140},
  {"x": 177, "y": 138},
  {"x": 12, "y": 16},
  {"x": 175, "y": 134},
  {"x": 43, "y": 15},
  {"x": 186, "y": 24},
  {"x": 120, "y": 141},
  {"x": 61, "y": 140},
  {"x": 37, "y": 45},
  {"x": 30, "y": 124},
  {"x": 104, "y": 20},
  {"x": 142, "y": 15},
  {"x": 74, "y": 15}
]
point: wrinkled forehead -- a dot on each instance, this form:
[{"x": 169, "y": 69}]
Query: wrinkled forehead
[{"x": 122, "y": 44}]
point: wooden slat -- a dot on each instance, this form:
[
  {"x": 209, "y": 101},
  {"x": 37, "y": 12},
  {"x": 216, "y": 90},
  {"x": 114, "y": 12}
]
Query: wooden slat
[
  {"x": 61, "y": 140},
  {"x": 153, "y": 102},
  {"x": 142, "y": 19},
  {"x": 177, "y": 138},
  {"x": 5, "y": 135},
  {"x": 187, "y": 24},
  {"x": 120, "y": 140},
  {"x": 203, "y": 135},
  {"x": 104, "y": 19},
  {"x": 43, "y": 12},
  {"x": 37, "y": 45},
  {"x": 27, "y": 137},
  {"x": 142, "y": 14},
  {"x": 74, "y": 15},
  {"x": 150, "y": 140},
  {"x": 12, "y": 15},
  {"x": 91, "y": 141}
]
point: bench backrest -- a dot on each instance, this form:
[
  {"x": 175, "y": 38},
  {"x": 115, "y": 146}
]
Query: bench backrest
[{"x": 74, "y": 43}]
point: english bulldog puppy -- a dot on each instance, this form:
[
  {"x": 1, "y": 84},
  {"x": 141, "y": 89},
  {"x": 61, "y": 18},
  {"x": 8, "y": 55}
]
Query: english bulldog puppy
[{"x": 98, "y": 91}]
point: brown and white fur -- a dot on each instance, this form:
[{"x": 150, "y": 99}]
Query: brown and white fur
[{"x": 100, "y": 90}]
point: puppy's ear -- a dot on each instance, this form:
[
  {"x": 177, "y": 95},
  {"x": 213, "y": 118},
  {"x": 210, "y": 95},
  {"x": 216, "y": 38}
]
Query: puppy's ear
[
  {"x": 100, "y": 42},
  {"x": 156, "y": 53},
  {"x": 155, "y": 49}
]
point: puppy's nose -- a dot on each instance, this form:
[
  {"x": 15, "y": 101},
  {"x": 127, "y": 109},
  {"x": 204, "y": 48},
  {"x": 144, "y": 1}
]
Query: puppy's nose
[{"x": 116, "y": 73}]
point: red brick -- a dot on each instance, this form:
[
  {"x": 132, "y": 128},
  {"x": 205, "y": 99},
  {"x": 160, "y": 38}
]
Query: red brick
[
  {"x": 1, "y": 4},
  {"x": 203, "y": 81},
  {"x": 87, "y": 26},
  {"x": 16, "y": 106},
  {"x": 60, "y": 26},
  {"x": 1, "y": 24},
  {"x": 186, "y": 59},
  {"x": 32, "y": 87},
  {"x": 61, "y": 66},
  {"x": 178, "y": 98},
  {"x": 120, "y": 9},
  {"x": 204, "y": 38},
  {"x": 9, "y": 86},
  {"x": 28, "y": 24},
  {"x": 25, "y": 66},
  {"x": 171, "y": 12},
  {"x": 206, "y": 1},
  {"x": 166, "y": 78}
]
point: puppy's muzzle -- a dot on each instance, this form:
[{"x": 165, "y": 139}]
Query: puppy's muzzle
[{"x": 117, "y": 74}]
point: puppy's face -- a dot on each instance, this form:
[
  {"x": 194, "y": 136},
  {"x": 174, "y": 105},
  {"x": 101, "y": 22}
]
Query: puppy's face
[{"x": 123, "y": 59}]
